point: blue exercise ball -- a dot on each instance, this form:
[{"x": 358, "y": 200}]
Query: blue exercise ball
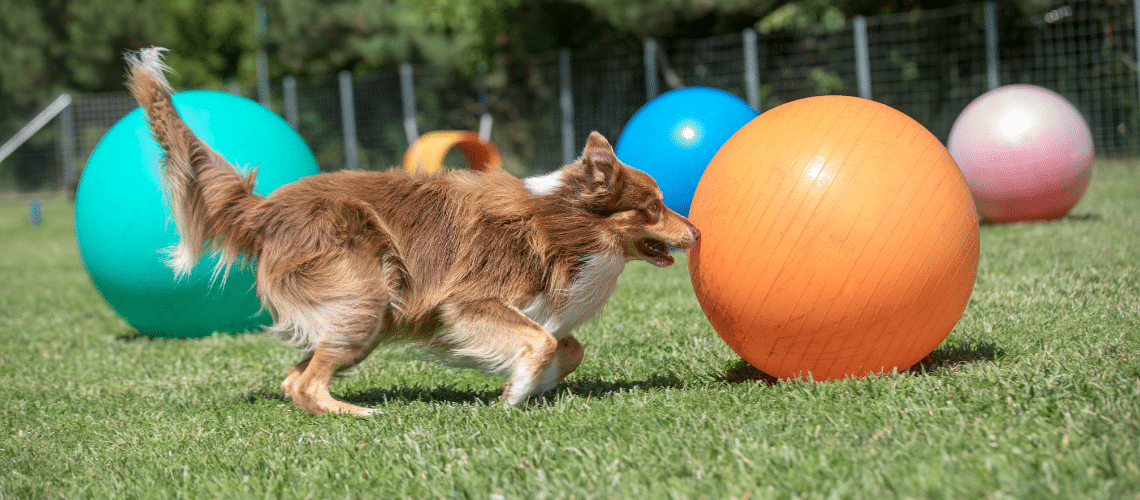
[
  {"x": 123, "y": 224},
  {"x": 674, "y": 136}
]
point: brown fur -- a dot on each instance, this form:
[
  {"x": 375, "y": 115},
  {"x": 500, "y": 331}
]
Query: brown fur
[{"x": 482, "y": 269}]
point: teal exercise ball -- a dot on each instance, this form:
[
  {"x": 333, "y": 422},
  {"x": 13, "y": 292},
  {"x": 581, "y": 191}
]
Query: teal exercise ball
[
  {"x": 123, "y": 224},
  {"x": 675, "y": 135}
]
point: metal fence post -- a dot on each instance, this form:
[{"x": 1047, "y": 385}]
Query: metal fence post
[
  {"x": 408, "y": 96},
  {"x": 263, "y": 95},
  {"x": 650, "y": 54},
  {"x": 1136, "y": 31},
  {"x": 289, "y": 99},
  {"x": 484, "y": 109},
  {"x": 348, "y": 120},
  {"x": 566, "y": 104},
  {"x": 752, "y": 69},
  {"x": 67, "y": 145},
  {"x": 993, "y": 79},
  {"x": 862, "y": 56}
]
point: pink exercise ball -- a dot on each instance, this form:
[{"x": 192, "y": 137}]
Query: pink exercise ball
[{"x": 1025, "y": 151}]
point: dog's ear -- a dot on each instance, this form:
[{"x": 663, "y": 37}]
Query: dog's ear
[{"x": 600, "y": 161}]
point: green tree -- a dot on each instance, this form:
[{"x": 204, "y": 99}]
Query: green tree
[
  {"x": 211, "y": 42},
  {"x": 49, "y": 46},
  {"x": 309, "y": 37},
  {"x": 53, "y": 45}
]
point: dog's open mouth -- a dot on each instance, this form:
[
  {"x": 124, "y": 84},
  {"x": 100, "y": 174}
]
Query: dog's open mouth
[{"x": 655, "y": 251}]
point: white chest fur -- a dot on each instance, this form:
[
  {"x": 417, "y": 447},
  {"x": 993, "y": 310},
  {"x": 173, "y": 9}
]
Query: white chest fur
[{"x": 591, "y": 289}]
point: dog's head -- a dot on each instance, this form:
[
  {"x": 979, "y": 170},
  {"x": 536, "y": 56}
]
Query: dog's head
[{"x": 626, "y": 201}]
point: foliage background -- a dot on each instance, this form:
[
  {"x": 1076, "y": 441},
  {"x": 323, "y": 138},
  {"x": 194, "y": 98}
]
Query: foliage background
[{"x": 50, "y": 46}]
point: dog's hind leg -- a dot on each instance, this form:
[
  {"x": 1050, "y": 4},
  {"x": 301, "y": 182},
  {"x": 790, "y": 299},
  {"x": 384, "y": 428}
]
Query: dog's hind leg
[
  {"x": 310, "y": 385},
  {"x": 338, "y": 330},
  {"x": 294, "y": 374},
  {"x": 336, "y": 304},
  {"x": 338, "y": 327},
  {"x": 498, "y": 338},
  {"x": 339, "y": 348}
]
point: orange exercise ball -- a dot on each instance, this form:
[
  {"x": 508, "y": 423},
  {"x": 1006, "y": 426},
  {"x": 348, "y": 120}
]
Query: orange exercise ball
[{"x": 838, "y": 238}]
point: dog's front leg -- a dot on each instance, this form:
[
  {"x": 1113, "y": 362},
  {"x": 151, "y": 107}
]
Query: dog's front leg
[
  {"x": 501, "y": 339},
  {"x": 566, "y": 360}
]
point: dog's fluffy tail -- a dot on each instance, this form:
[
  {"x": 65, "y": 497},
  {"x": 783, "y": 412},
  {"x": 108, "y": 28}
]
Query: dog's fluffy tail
[{"x": 213, "y": 204}]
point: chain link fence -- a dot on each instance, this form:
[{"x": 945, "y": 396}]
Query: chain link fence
[{"x": 929, "y": 65}]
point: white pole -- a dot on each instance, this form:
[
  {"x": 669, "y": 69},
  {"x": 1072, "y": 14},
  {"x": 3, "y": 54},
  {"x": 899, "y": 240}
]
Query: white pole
[
  {"x": 33, "y": 126},
  {"x": 1136, "y": 31},
  {"x": 348, "y": 120},
  {"x": 67, "y": 146},
  {"x": 566, "y": 104},
  {"x": 862, "y": 57},
  {"x": 650, "y": 55},
  {"x": 289, "y": 99},
  {"x": 485, "y": 120},
  {"x": 263, "y": 95},
  {"x": 408, "y": 95},
  {"x": 752, "y": 69},
  {"x": 993, "y": 78}
]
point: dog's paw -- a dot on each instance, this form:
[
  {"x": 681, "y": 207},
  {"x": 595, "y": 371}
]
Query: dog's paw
[
  {"x": 512, "y": 396},
  {"x": 353, "y": 410}
]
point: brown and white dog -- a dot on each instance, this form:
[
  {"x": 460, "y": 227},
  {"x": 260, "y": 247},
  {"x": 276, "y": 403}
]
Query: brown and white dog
[{"x": 484, "y": 270}]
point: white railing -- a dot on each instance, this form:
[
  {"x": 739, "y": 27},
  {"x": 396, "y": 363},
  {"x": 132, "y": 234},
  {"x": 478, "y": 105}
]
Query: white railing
[{"x": 58, "y": 105}]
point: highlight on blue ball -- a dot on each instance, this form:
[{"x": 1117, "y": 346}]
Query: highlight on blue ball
[
  {"x": 123, "y": 223},
  {"x": 675, "y": 135}
]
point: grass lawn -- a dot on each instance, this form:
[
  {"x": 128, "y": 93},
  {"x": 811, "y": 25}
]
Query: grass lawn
[{"x": 1035, "y": 394}]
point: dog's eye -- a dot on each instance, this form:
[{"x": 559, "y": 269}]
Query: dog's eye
[{"x": 655, "y": 208}]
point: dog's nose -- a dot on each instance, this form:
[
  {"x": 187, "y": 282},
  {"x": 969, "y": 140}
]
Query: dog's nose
[{"x": 696, "y": 233}]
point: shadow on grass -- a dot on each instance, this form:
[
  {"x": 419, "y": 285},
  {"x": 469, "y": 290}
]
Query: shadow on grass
[
  {"x": 740, "y": 372},
  {"x": 132, "y": 336},
  {"x": 380, "y": 397},
  {"x": 951, "y": 355},
  {"x": 946, "y": 356},
  {"x": 598, "y": 388},
  {"x": 1066, "y": 218},
  {"x": 137, "y": 336},
  {"x": 1083, "y": 217}
]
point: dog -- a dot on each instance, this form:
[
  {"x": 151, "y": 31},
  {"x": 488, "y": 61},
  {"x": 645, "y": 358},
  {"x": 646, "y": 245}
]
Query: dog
[{"x": 482, "y": 270}]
